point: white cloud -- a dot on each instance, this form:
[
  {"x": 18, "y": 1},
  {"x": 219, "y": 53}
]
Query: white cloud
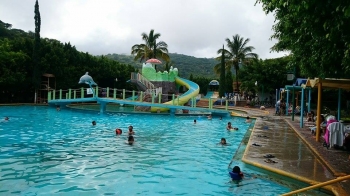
[{"x": 195, "y": 28}]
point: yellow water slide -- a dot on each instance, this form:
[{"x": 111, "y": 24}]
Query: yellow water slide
[{"x": 193, "y": 91}]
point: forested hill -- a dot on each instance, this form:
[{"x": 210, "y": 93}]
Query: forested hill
[{"x": 187, "y": 65}]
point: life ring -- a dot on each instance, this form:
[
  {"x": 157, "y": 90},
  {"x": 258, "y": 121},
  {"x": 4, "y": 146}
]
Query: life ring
[
  {"x": 235, "y": 176},
  {"x": 118, "y": 131}
]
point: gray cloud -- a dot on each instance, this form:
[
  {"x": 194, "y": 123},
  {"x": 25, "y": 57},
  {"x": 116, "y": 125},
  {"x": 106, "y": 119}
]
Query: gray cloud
[{"x": 196, "y": 28}]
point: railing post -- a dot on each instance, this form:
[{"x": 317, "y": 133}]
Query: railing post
[
  {"x": 178, "y": 100},
  {"x": 48, "y": 96},
  {"x": 96, "y": 91},
  {"x": 226, "y": 107},
  {"x": 66, "y": 95},
  {"x": 75, "y": 94},
  {"x": 114, "y": 93},
  {"x": 69, "y": 93},
  {"x": 195, "y": 102},
  {"x": 107, "y": 95},
  {"x": 54, "y": 94},
  {"x": 141, "y": 96},
  {"x": 133, "y": 95},
  {"x": 209, "y": 103},
  {"x": 82, "y": 92},
  {"x": 152, "y": 98},
  {"x": 173, "y": 99},
  {"x": 60, "y": 93},
  {"x": 160, "y": 98},
  {"x": 123, "y": 94}
]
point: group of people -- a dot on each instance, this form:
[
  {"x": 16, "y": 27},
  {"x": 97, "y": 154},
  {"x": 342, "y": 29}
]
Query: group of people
[{"x": 119, "y": 131}]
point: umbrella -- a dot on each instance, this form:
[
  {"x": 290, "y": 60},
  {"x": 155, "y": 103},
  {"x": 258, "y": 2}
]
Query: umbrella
[
  {"x": 214, "y": 82},
  {"x": 154, "y": 61}
]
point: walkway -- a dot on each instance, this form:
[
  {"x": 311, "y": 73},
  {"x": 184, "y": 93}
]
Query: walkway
[{"x": 297, "y": 154}]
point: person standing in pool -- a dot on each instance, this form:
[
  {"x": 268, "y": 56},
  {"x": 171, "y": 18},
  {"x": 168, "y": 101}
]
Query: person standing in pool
[
  {"x": 194, "y": 121},
  {"x": 131, "y": 140},
  {"x": 131, "y": 131},
  {"x": 229, "y": 126},
  {"x": 93, "y": 123}
]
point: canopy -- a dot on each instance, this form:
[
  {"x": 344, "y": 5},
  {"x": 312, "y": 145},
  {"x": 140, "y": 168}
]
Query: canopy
[
  {"x": 154, "y": 61},
  {"x": 214, "y": 83},
  {"x": 300, "y": 81}
]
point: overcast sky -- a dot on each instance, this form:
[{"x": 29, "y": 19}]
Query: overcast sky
[{"x": 191, "y": 27}]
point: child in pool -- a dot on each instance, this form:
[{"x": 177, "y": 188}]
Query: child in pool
[{"x": 236, "y": 173}]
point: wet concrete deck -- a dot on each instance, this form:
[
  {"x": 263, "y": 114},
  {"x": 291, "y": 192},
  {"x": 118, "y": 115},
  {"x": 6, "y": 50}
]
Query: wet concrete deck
[{"x": 297, "y": 154}]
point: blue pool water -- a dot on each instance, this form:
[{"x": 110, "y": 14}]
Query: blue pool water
[{"x": 43, "y": 151}]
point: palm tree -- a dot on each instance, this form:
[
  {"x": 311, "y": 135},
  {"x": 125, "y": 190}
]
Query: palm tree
[
  {"x": 238, "y": 53},
  {"x": 151, "y": 48}
]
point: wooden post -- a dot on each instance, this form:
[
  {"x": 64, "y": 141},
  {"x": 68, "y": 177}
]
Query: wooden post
[
  {"x": 60, "y": 93},
  {"x": 82, "y": 93},
  {"x": 123, "y": 93},
  {"x": 54, "y": 95},
  {"x": 141, "y": 96},
  {"x": 160, "y": 98},
  {"x": 107, "y": 95},
  {"x": 75, "y": 94},
  {"x": 48, "y": 96},
  {"x": 173, "y": 99},
  {"x": 226, "y": 107},
  {"x": 133, "y": 95},
  {"x": 69, "y": 93},
  {"x": 114, "y": 93},
  {"x": 319, "y": 89},
  {"x": 152, "y": 98}
]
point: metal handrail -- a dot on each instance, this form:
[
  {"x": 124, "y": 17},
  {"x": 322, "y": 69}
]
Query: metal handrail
[
  {"x": 142, "y": 79},
  {"x": 318, "y": 185}
]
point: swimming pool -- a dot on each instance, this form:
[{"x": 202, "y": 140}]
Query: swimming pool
[{"x": 44, "y": 151}]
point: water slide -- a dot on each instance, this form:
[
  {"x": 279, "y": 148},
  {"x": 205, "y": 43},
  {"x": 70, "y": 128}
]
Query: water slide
[{"x": 193, "y": 91}]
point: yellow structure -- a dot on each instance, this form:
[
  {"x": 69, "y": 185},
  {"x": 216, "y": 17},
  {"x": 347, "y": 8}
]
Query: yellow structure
[{"x": 193, "y": 91}]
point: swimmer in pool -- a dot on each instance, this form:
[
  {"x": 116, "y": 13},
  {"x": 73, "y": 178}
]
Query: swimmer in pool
[
  {"x": 210, "y": 117},
  {"x": 58, "y": 108},
  {"x": 93, "y": 123},
  {"x": 118, "y": 131},
  {"x": 7, "y": 118},
  {"x": 194, "y": 121},
  {"x": 248, "y": 120},
  {"x": 236, "y": 173},
  {"x": 223, "y": 142}
]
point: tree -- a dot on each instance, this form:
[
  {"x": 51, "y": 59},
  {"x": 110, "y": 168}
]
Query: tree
[
  {"x": 151, "y": 48},
  {"x": 222, "y": 87},
  {"x": 238, "y": 53},
  {"x": 317, "y": 33},
  {"x": 229, "y": 82},
  {"x": 36, "y": 48}
]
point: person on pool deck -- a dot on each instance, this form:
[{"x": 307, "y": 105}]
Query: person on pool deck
[
  {"x": 236, "y": 173},
  {"x": 131, "y": 140},
  {"x": 131, "y": 131},
  {"x": 248, "y": 120},
  {"x": 93, "y": 123},
  {"x": 118, "y": 131}
]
